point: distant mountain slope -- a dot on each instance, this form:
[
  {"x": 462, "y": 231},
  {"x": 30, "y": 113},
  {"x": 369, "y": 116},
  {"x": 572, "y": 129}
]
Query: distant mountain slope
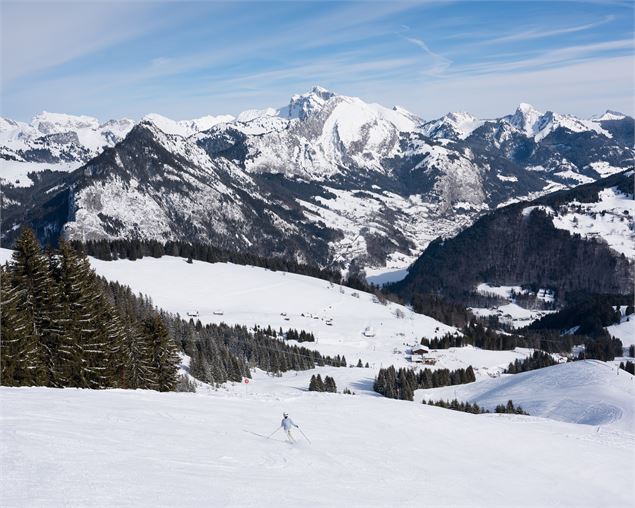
[
  {"x": 327, "y": 179},
  {"x": 536, "y": 243}
]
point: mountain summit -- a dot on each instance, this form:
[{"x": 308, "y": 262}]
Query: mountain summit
[{"x": 329, "y": 179}]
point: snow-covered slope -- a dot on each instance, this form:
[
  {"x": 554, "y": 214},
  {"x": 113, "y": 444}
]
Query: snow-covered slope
[
  {"x": 234, "y": 294},
  {"x": 54, "y": 141},
  {"x": 337, "y": 179},
  {"x": 320, "y": 133},
  {"x": 457, "y": 125},
  {"x": 588, "y": 392},
  {"x": 136, "y": 448},
  {"x": 625, "y": 329},
  {"x": 186, "y": 128},
  {"x": 343, "y": 320},
  {"x": 611, "y": 218},
  {"x": 538, "y": 126}
]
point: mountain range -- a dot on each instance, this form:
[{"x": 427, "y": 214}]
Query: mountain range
[{"x": 328, "y": 179}]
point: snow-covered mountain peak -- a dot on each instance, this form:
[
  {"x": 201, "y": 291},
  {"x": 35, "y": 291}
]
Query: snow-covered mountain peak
[
  {"x": 50, "y": 123},
  {"x": 610, "y": 115},
  {"x": 251, "y": 114},
  {"x": 303, "y": 105},
  {"x": 457, "y": 124},
  {"x": 186, "y": 128},
  {"x": 525, "y": 118}
]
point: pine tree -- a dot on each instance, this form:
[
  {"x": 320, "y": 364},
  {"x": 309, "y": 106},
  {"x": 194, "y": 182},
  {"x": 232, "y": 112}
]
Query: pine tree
[
  {"x": 319, "y": 383},
  {"x": 329, "y": 385},
  {"x": 313, "y": 387},
  {"x": 30, "y": 273},
  {"x": 164, "y": 358},
  {"x": 19, "y": 347},
  {"x": 93, "y": 330}
]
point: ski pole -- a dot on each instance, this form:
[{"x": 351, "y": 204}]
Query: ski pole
[
  {"x": 273, "y": 432},
  {"x": 304, "y": 435}
]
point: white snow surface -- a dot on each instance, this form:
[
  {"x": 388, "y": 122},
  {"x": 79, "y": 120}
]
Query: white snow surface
[
  {"x": 458, "y": 124},
  {"x": 612, "y": 219},
  {"x": 586, "y": 392},
  {"x": 17, "y": 172},
  {"x": 537, "y": 125},
  {"x": 512, "y": 313},
  {"x": 624, "y": 330},
  {"x": 502, "y": 291},
  {"x": 246, "y": 295},
  {"x": 142, "y": 448},
  {"x": 185, "y": 128}
]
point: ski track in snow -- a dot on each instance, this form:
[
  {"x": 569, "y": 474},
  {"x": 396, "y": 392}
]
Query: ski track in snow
[{"x": 140, "y": 448}]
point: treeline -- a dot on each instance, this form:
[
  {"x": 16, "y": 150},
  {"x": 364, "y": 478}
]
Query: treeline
[
  {"x": 221, "y": 353},
  {"x": 317, "y": 385},
  {"x": 60, "y": 329},
  {"x": 478, "y": 335},
  {"x": 605, "y": 349},
  {"x": 628, "y": 367},
  {"x": 601, "y": 347},
  {"x": 301, "y": 336},
  {"x": 401, "y": 384},
  {"x": 137, "y": 249},
  {"x": 588, "y": 314},
  {"x": 466, "y": 407},
  {"x": 437, "y": 307},
  {"x": 538, "y": 360},
  {"x": 62, "y": 326}
]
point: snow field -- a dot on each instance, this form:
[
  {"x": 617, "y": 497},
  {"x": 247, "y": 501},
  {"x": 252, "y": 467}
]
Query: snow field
[
  {"x": 246, "y": 295},
  {"x": 611, "y": 218},
  {"x": 588, "y": 392},
  {"x": 17, "y": 172},
  {"x": 141, "y": 448},
  {"x": 625, "y": 329}
]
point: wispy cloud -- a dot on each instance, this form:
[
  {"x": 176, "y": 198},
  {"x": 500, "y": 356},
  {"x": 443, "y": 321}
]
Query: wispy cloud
[
  {"x": 541, "y": 33},
  {"x": 439, "y": 63},
  {"x": 567, "y": 55},
  {"x": 37, "y": 36},
  {"x": 191, "y": 58}
]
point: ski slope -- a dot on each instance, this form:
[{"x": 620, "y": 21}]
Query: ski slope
[
  {"x": 587, "y": 392},
  {"x": 85, "y": 448}
]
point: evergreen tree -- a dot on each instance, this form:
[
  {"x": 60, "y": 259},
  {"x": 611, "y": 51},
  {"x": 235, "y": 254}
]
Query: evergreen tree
[
  {"x": 19, "y": 347},
  {"x": 163, "y": 354},
  {"x": 30, "y": 275},
  {"x": 329, "y": 385}
]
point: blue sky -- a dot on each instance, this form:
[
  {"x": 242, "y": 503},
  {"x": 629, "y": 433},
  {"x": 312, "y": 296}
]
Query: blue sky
[{"x": 188, "y": 59}]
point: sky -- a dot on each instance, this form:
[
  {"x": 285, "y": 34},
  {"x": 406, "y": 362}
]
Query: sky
[{"x": 189, "y": 59}]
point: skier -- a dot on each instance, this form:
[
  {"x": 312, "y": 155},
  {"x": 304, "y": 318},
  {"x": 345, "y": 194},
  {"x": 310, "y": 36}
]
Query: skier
[{"x": 286, "y": 424}]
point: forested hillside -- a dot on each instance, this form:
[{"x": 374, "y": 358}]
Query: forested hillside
[
  {"x": 62, "y": 326},
  {"x": 519, "y": 244}
]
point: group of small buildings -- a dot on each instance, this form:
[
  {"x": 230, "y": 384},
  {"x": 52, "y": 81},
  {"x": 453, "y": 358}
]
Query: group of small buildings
[{"x": 421, "y": 354}]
